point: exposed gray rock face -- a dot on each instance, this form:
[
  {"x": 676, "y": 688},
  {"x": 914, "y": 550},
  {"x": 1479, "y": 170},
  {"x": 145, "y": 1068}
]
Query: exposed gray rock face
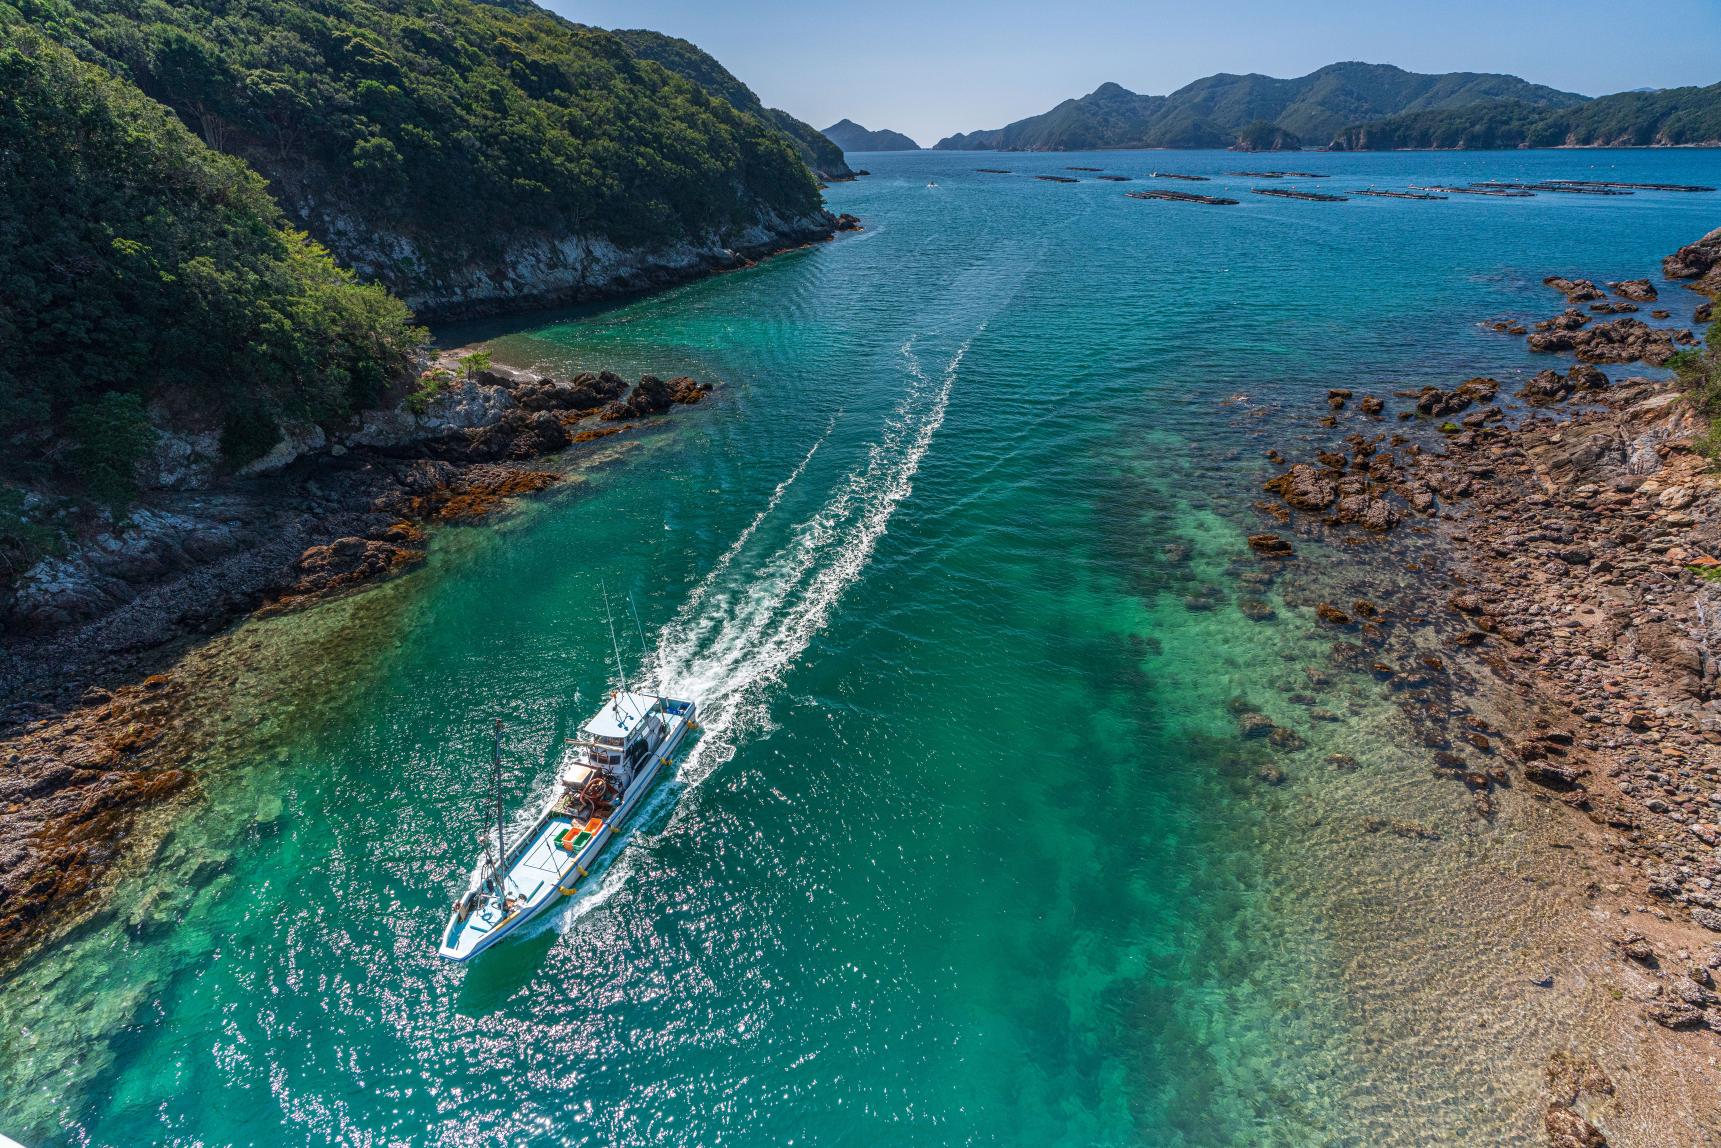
[{"x": 542, "y": 271}]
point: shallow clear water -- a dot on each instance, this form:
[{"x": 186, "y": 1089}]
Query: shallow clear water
[{"x": 969, "y": 851}]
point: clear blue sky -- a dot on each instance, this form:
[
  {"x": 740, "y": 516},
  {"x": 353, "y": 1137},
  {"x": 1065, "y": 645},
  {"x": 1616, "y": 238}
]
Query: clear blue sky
[{"x": 933, "y": 67}]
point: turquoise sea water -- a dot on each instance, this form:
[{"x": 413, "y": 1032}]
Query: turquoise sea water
[{"x": 969, "y": 851}]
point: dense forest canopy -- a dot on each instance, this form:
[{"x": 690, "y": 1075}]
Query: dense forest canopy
[
  {"x": 159, "y": 158},
  {"x": 457, "y": 124},
  {"x": 688, "y": 60},
  {"x": 141, "y": 263},
  {"x": 1671, "y": 117}
]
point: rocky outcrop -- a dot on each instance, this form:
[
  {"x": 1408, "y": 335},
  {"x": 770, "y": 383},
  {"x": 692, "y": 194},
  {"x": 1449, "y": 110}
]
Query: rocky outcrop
[
  {"x": 1549, "y": 386},
  {"x": 1305, "y": 487},
  {"x": 1575, "y": 290},
  {"x": 652, "y": 396},
  {"x": 350, "y": 561},
  {"x": 1638, "y": 290},
  {"x": 544, "y": 271},
  {"x": 317, "y": 514},
  {"x": 1618, "y": 341},
  {"x": 1700, "y": 261},
  {"x": 1436, "y": 402}
]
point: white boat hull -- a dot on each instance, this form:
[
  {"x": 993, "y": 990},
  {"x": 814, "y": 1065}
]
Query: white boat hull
[{"x": 543, "y": 873}]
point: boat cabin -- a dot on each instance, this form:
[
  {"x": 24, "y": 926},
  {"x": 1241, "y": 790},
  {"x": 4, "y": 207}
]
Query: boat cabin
[{"x": 627, "y": 729}]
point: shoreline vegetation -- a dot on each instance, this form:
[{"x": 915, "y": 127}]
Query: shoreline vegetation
[
  {"x": 1561, "y": 648},
  {"x": 220, "y": 405},
  {"x": 87, "y": 704},
  {"x": 222, "y": 240}
]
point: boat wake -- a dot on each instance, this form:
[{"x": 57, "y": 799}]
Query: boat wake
[
  {"x": 734, "y": 636},
  {"x": 739, "y": 629}
]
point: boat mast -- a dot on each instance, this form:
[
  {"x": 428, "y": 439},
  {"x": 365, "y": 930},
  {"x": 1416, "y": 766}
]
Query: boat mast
[
  {"x": 654, "y": 687},
  {"x": 638, "y": 629},
  {"x": 614, "y": 645},
  {"x": 496, "y": 785}
]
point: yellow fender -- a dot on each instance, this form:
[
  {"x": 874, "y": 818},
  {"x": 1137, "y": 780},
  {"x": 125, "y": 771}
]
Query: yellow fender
[
  {"x": 582, "y": 870},
  {"x": 567, "y": 892}
]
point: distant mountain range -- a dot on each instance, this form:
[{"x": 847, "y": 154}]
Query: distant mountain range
[
  {"x": 1665, "y": 117},
  {"x": 1255, "y": 111},
  {"x": 693, "y": 63},
  {"x": 850, "y": 136}
]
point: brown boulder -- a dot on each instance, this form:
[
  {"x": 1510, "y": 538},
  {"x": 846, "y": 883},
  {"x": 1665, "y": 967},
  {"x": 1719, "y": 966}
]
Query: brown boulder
[
  {"x": 1566, "y": 1129},
  {"x": 1575, "y": 290},
  {"x": 687, "y": 391},
  {"x": 1695, "y": 260},
  {"x": 1640, "y": 290},
  {"x": 1304, "y": 487}
]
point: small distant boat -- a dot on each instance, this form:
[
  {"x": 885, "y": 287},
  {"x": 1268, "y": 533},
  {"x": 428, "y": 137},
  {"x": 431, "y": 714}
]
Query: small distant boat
[
  {"x": 605, "y": 774},
  {"x": 931, "y": 183}
]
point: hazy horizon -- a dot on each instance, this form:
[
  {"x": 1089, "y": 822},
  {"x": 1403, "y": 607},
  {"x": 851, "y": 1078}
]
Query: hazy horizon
[{"x": 962, "y": 66}]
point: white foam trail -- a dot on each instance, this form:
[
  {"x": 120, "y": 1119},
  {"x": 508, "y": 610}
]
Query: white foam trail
[
  {"x": 752, "y": 632},
  {"x": 690, "y": 608}
]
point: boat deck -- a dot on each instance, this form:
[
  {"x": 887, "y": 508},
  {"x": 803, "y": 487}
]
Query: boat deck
[
  {"x": 559, "y": 845},
  {"x": 541, "y": 864}
]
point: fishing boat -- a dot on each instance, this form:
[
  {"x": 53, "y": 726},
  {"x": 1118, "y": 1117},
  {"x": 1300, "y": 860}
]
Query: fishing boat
[{"x": 604, "y": 776}]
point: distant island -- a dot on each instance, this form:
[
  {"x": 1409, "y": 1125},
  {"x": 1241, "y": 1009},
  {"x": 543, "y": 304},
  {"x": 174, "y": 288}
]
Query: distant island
[
  {"x": 1359, "y": 106},
  {"x": 850, "y": 136},
  {"x": 1668, "y": 117}
]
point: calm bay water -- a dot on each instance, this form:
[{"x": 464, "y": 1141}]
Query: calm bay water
[{"x": 969, "y": 852}]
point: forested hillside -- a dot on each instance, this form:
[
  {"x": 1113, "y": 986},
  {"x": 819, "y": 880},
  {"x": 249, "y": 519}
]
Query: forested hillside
[
  {"x": 1212, "y": 112},
  {"x": 689, "y": 60},
  {"x": 182, "y": 181},
  {"x": 467, "y": 155},
  {"x": 850, "y": 136},
  {"x": 1669, "y": 118},
  {"x": 141, "y": 265}
]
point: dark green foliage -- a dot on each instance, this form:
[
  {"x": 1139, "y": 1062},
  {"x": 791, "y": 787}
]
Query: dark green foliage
[
  {"x": 1210, "y": 112},
  {"x": 456, "y": 125},
  {"x": 1676, "y": 116},
  {"x": 1699, "y": 373},
  {"x": 23, "y": 538},
  {"x": 688, "y": 60},
  {"x": 109, "y": 436},
  {"x": 1264, "y": 135},
  {"x": 139, "y": 264}
]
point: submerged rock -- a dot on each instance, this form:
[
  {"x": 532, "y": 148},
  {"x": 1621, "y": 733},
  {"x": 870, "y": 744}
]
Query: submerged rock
[{"x": 1270, "y": 546}]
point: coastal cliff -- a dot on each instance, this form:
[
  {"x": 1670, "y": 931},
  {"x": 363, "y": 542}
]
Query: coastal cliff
[
  {"x": 469, "y": 157},
  {"x": 536, "y": 271}
]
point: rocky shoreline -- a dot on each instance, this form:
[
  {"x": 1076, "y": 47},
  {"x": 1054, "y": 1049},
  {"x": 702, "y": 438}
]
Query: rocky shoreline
[
  {"x": 1561, "y": 642},
  {"x": 93, "y": 723}
]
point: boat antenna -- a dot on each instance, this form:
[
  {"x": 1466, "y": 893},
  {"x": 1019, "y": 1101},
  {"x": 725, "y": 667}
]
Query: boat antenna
[
  {"x": 496, "y": 783},
  {"x": 614, "y": 645},
  {"x": 655, "y": 687}
]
